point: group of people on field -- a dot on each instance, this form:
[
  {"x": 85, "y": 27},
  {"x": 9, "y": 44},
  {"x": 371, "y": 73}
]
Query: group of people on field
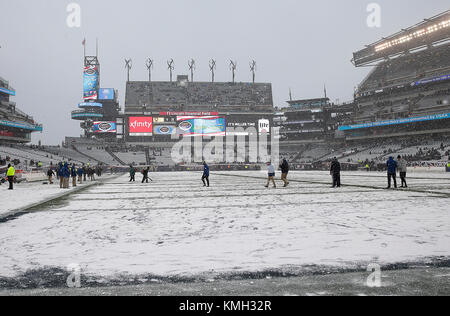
[
  {"x": 393, "y": 166},
  {"x": 64, "y": 172},
  {"x": 145, "y": 174}
]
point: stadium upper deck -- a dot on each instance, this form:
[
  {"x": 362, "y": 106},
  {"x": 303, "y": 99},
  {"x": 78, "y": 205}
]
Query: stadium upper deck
[
  {"x": 198, "y": 96},
  {"x": 15, "y": 125}
]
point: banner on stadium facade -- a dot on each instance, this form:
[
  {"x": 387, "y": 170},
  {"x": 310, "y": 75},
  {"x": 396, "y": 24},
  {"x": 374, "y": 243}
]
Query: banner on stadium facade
[
  {"x": 90, "y": 104},
  {"x": 241, "y": 124},
  {"x": 264, "y": 126},
  {"x": 105, "y": 127},
  {"x": 431, "y": 80},
  {"x": 140, "y": 126},
  {"x": 36, "y": 128},
  {"x": 201, "y": 126},
  {"x": 90, "y": 83},
  {"x": 397, "y": 122},
  {"x": 164, "y": 130},
  {"x": 7, "y": 91},
  {"x": 188, "y": 113}
]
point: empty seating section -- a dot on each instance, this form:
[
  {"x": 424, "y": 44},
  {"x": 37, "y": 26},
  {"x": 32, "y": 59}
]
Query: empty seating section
[
  {"x": 173, "y": 95},
  {"x": 132, "y": 158},
  {"x": 408, "y": 68},
  {"x": 29, "y": 154}
]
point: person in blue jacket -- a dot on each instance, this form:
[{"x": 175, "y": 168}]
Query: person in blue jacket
[
  {"x": 80, "y": 174},
  {"x": 205, "y": 174},
  {"x": 66, "y": 175},
  {"x": 392, "y": 171},
  {"x": 73, "y": 174}
]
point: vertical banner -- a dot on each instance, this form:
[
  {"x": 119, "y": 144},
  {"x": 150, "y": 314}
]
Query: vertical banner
[{"x": 90, "y": 83}]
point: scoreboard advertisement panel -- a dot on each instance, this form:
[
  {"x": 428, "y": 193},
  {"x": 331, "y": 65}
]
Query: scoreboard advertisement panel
[
  {"x": 140, "y": 126},
  {"x": 201, "y": 126},
  {"x": 104, "y": 127}
]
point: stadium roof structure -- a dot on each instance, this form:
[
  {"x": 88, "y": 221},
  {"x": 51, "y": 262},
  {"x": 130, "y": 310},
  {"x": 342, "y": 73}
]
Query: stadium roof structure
[{"x": 432, "y": 31}]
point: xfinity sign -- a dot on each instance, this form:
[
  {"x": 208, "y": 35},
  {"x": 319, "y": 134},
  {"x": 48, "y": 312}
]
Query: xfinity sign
[{"x": 141, "y": 126}]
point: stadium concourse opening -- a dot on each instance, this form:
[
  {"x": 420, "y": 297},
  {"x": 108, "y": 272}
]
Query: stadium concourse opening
[{"x": 116, "y": 210}]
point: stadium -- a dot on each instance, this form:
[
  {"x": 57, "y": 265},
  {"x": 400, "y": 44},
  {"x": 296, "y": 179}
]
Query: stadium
[
  {"x": 403, "y": 101},
  {"x": 255, "y": 235}
]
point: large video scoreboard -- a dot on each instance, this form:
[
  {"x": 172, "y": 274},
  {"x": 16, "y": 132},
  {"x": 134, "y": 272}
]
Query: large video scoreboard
[{"x": 163, "y": 126}]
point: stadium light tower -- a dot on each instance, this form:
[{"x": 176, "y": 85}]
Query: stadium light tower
[
  {"x": 128, "y": 66},
  {"x": 171, "y": 67},
  {"x": 149, "y": 65},
  {"x": 212, "y": 67},
  {"x": 192, "y": 67},
  {"x": 233, "y": 67},
  {"x": 253, "y": 69}
]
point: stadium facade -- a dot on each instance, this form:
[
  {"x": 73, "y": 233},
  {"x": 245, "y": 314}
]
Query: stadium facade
[
  {"x": 403, "y": 102},
  {"x": 406, "y": 93},
  {"x": 15, "y": 125},
  {"x": 408, "y": 90},
  {"x": 154, "y": 111}
]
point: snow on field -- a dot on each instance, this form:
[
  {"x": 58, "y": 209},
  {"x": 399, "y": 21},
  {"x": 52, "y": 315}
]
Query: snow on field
[
  {"x": 25, "y": 194},
  {"x": 175, "y": 227}
]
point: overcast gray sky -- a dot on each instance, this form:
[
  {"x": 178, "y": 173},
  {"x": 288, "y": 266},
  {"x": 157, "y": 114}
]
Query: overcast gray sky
[{"x": 297, "y": 44}]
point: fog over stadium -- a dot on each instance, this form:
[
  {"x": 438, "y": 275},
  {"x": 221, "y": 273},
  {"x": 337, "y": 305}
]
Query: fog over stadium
[{"x": 298, "y": 45}]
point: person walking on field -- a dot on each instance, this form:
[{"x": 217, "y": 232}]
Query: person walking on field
[
  {"x": 392, "y": 172},
  {"x": 50, "y": 175},
  {"x": 132, "y": 174},
  {"x": 403, "y": 169},
  {"x": 145, "y": 175},
  {"x": 10, "y": 174},
  {"x": 335, "y": 172},
  {"x": 205, "y": 174},
  {"x": 284, "y": 172},
  {"x": 271, "y": 175}
]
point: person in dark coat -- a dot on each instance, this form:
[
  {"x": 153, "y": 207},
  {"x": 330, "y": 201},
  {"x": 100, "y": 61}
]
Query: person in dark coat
[
  {"x": 284, "y": 172},
  {"x": 335, "y": 172},
  {"x": 145, "y": 177},
  {"x": 205, "y": 174},
  {"x": 50, "y": 175},
  {"x": 132, "y": 174},
  {"x": 392, "y": 172},
  {"x": 85, "y": 171}
]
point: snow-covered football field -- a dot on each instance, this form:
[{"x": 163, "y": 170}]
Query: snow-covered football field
[{"x": 173, "y": 227}]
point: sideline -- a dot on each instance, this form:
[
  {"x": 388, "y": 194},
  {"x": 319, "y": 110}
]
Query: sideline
[
  {"x": 430, "y": 281},
  {"x": 6, "y": 217}
]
